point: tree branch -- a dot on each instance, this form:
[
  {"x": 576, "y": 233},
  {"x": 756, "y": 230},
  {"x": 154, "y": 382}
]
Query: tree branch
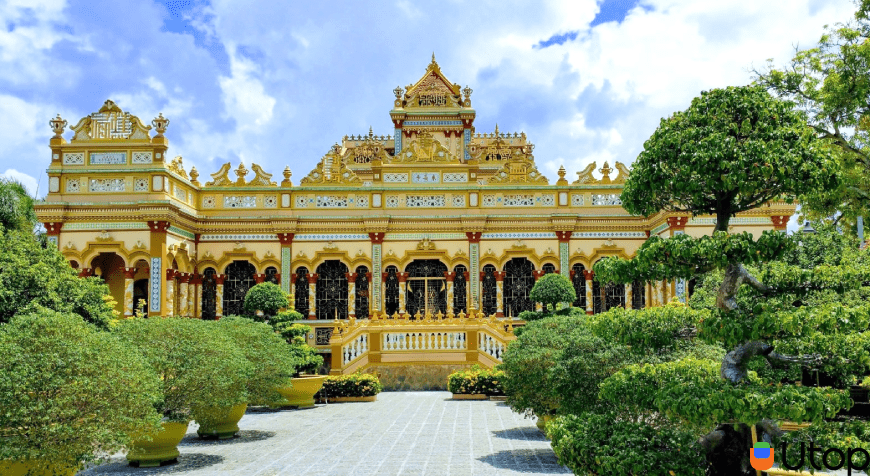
[{"x": 734, "y": 364}]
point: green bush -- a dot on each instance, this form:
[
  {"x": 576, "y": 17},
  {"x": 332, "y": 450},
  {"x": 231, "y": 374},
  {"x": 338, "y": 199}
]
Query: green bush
[
  {"x": 529, "y": 316},
  {"x": 552, "y": 289},
  {"x": 476, "y": 381},
  {"x": 69, "y": 391},
  {"x": 273, "y": 360},
  {"x": 603, "y": 444},
  {"x": 351, "y": 385},
  {"x": 199, "y": 365},
  {"x": 266, "y": 297},
  {"x": 646, "y": 329}
]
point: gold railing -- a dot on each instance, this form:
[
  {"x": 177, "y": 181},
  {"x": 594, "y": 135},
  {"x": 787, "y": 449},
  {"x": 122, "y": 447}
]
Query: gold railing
[{"x": 474, "y": 339}]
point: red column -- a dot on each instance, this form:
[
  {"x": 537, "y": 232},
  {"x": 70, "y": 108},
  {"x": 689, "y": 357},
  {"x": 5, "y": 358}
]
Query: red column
[
  {"x": 85, "y": 272},
  {"x": 259, "y": 278},
  {"x": 779, "y": 222}
]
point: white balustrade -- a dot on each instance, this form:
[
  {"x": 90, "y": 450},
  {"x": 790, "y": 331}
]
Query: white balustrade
[
  {"x": 431, "y": 340},
  {"x": 355, "y": 348},
  {"x": 490, "y": 345}
]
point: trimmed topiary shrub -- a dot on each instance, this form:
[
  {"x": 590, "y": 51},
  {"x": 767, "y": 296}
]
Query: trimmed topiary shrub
[
  {"x": 351, "y": 385},
  {"x": 199, "y": 365},
  {"x": 553, "y": 289},
  {"x": 70, "y": 392},
  {"x": 266, "y": 297},
  {"x": 476, "y": 381},
  {"x": 274, "y": 362}
]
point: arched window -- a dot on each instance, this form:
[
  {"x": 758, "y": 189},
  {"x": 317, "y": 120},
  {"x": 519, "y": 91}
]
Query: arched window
[
  {"x": 606, "y": 297},
  {"x": 518, "y": 281},
  {"x": 638, "y": 295},
  {"x": 548, "y": 268},
  {"x": 331, "y": 290},
  {"x": 579, "y": 282},
  {"x": 391, "y": 290},
  {"x": 209, "y": 294},
  {"x": 300, "y": 291},
  {"x": 271, "y": 275},
  {"x": 490, "y": 293},
  {"x": 240, "y": 278},
  {"x": 427, "y": 287},
  {"x": 460, "y": 299},
  {"x": 361, "y": 304}
]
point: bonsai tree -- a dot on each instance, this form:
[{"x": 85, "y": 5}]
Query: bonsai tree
[
  {"x": 199, "y": 365},
  {"x": 274, "y": 362},
  {"x": 265, "y": 297},
  {"x": 552, "y": 289},
  {"x": 732, "y": 150},
  {"x": 69, "y": 392}
]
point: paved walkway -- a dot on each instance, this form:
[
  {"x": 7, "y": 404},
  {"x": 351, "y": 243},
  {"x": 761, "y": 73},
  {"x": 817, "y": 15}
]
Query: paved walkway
[{"x": 403, "y": 433}]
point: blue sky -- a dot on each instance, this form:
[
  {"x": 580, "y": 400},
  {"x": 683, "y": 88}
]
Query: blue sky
[{"x": 277, "y": 83}]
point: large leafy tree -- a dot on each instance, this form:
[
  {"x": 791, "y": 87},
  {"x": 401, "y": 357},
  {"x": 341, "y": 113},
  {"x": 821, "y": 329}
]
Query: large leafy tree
[
  {"x": 732, "y": 150},
  {"x": 831, "y": 84}
]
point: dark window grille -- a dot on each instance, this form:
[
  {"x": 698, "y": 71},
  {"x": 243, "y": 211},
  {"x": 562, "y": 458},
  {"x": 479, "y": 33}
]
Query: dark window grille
[
  {"x": 518, "y": 282},
  {"x": 391, "y": 291},
  {"x": 209, "y": 294},
  {"x": 300, "y": 291},
  {"x": 614, "y": 294},
  {"x": 579, "y": 281},
  {"x": 240, "y": 278},
  {"x": 638, "y": 295},
  {"x": 597, "y": 301},
  {"x": 548, "y": 268},
  {"x": 361, "y": 304},
  {"x": 427, "y": 287},
  {"x": 140, "y": 294},
  {"x": 331, "y": 290},
  {"x": 271, "y": 275},
  {"x": 459, "y": 290},
  {"x": 490, "y": 293}
]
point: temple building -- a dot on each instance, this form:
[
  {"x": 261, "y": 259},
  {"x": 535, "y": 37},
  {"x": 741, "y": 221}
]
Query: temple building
[{"x": 434, "y": 217}]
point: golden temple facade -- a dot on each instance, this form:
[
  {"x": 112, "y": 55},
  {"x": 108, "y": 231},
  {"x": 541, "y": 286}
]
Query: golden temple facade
[{"x": 432, "y": 218}]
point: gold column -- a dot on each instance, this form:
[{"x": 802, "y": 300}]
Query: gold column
[
  {"x": 499, "y": 294},
  {"x": 219, "y": 296},
  {"x": 450, "y": 276},
  {"x": 589, "y": 275},
  {"x": 170, "y": 292},
  {"x": 129, "y": 305},
  {"x": 628, "y": 296},
  {"x": 403, "y": 289},
  {"x": 351, "y": 294},
  {"x": 183, "y": 294},
  {"x": 312, "y": 296},
  {"x": 195, "y": 303}
]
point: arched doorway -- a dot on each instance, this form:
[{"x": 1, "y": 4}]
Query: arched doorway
[
  {"x": 110, "y": 267},
  {"x": 361, "y": 300},
  {"x": 489, "y": 290},
  {"x": 391, "y": 290},
  {"x": 518, "y": 281},
  {"x": 460, "y": 294},
  {"x": 427, "y": 287},
  {"x": 331, "y": 290},
  {"x": 240, "y": 278},
  {"x": 578, "y": 279},
  {"x": 209, "y": 294},
  {"x": 300, "y": 291}
]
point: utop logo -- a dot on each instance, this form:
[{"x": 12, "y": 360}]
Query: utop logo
[{"x": 761, "y": 456}]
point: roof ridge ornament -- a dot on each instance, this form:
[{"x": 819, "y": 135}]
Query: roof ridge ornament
[
  {"x": 332, "y": 170},
  {"x": 111, "y": 123},
  {"x": 585, "y": 176}
]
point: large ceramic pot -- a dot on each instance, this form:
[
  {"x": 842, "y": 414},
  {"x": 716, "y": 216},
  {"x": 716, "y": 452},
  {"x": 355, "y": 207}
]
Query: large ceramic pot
[
  {"x": 163, "y": 446},
  {"x": 34, "y": 468},
  {"x": 224, "y": 422},
  {"x": 301, "y": 394}
]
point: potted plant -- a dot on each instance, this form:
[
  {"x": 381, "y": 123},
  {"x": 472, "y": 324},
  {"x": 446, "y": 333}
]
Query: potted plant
[
  {"x": 69, "y": 393},
  {"x": 273, "y": 363},
  {"x": 475, "y": 383},
  {"x": 358, "y": 387},
  {"x": 200, "y": 368},
  {"x": 304, "y": 384}
]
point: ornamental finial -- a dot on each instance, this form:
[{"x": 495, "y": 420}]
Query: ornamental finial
[
  {"x": 605, "y": 171},
  {"x": 160, "y": 124},
  {"x": 398, "y": 92},
  {"x": 57, "y": 125},
  {"x": 240, "y": 173},
  {"x": 287, "y": 175}
]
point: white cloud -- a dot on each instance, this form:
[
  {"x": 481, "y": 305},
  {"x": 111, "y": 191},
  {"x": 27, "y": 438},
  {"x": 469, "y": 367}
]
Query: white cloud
[
  {"x": 30, "y": 183},
  {"x": 245, "y": 99}
]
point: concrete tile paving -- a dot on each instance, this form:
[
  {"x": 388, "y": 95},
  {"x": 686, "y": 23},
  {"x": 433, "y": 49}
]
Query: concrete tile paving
[{"x": 402, "y": 433}]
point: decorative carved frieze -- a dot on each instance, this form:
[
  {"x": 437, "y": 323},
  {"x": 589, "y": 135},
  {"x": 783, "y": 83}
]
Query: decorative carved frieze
[{"x": 107, "y": 185}]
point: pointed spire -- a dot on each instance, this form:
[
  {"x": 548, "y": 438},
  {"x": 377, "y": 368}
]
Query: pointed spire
[
  {"x": 433, "y": 56},
  {"x": 496, "y": 130},
  {"x": 371, "y": 134}
]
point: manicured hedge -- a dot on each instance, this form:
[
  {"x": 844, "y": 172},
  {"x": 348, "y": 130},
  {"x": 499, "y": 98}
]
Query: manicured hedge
[
  {"x": 352, "y": 385},
  {"x": 476, "y": 381}
]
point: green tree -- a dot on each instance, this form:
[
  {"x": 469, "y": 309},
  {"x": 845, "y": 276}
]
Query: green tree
[
  {"x": 16, "y": 207},
  {"x": 732, "y": 150},
  {"x": 266, "y": 297},
  {"x": 831, "y": 84},
  {"x": 552, "y": 289}
]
